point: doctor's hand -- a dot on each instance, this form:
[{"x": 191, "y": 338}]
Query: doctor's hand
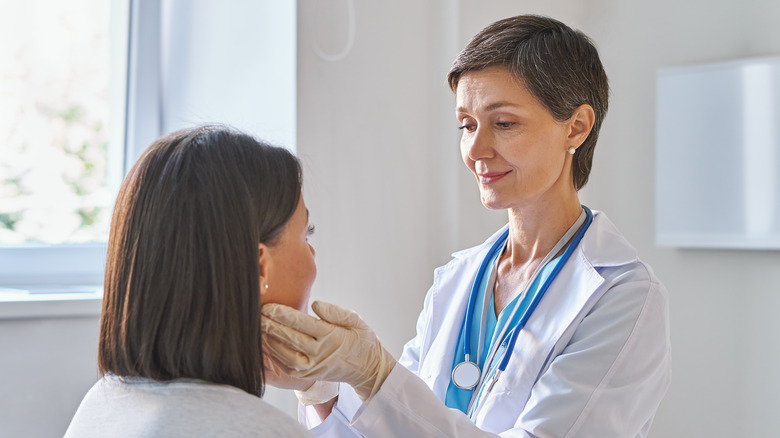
[
  {"x": 275, "y": 375},
  {"x": 339, "y": 347}
]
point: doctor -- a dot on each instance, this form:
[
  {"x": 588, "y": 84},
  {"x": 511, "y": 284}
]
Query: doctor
[{"x": 553, "y": 327}]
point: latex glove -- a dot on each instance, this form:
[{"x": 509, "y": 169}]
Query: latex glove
[
  {"x": 276, "y": 376},
  {"x": 339, "y": 347},
  {"x": 319, "y": 393}
]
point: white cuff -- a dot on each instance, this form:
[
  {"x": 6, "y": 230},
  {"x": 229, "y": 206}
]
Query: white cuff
[{"x": 319, "y": 392}]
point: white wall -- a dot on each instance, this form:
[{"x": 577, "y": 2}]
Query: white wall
[
  {"x": 46, "y": 367},
  {"x": 215, "y": 66},
  {"x": 378, "y": 139},
  {"x": 725, "y": 340}
]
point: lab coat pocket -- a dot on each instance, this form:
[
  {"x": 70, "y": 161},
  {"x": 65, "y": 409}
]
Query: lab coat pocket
[{"x": 499, "y": 408}]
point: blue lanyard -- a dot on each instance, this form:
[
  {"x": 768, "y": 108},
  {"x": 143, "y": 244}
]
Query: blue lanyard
[{"x": 515, "y": 331}]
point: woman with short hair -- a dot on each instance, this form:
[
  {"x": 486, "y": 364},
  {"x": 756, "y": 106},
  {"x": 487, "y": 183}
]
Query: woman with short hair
[{"x": 553, "y": 327}]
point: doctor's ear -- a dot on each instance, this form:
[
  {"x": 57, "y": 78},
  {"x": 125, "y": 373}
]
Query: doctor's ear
[{"x": 580, "y": 124}]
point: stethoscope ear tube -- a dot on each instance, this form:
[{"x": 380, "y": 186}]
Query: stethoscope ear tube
[
  {"x": 499, "y": 243},
  {"x": 467, "y": 374},
  {"x": 538, "y": 297}
]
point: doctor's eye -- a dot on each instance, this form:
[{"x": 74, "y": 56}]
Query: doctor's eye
[
  {"x": 505, "y": 125},
  {"x": 467, "y": 127},
  {"x": 310, "y": 230}
]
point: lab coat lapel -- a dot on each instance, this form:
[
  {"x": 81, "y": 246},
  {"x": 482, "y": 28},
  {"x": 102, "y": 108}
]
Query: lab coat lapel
[
  {"x": 451, "y": 289},
  {"x": 549, "y": 330},
  {"x": 447, "y": 322},
  {"x": 545, "y": 334}
]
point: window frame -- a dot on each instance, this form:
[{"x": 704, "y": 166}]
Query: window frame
[
  {"x": 137, "y": 29},
  {"x": 30, "y": 265}
]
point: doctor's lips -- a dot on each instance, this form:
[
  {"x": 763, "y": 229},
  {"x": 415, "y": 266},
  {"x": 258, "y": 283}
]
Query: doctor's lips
[{"x": 490, "y": 177}]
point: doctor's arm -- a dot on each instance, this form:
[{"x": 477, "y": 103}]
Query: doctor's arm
[
  {"x": 395, "y": 401},
  {"x": 314, "y": 417},
  {"x": 606, "y": 381}
]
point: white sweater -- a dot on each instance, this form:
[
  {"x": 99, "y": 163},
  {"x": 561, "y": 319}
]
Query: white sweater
[{"x": 138, "y": 407}]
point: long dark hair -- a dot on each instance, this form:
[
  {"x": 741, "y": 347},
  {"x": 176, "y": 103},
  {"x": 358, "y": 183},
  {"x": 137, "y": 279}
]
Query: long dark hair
[{"x": 182, "y": 288}]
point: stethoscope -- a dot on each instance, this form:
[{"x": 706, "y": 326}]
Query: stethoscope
[{"x": 467, "y": 374}]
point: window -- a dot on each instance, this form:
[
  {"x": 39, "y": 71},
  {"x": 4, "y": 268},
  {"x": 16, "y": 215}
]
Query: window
[
  {"x": 86, "y": 85},
  {"x": 62, "y": 92},
  {"x": 54, "y": 129}
]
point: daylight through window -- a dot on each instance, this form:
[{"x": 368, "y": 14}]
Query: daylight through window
[{"x": 54, "y": 115}]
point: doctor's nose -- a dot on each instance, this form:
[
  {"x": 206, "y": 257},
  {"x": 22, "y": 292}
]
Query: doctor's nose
[{"x": 478, "y": 146}]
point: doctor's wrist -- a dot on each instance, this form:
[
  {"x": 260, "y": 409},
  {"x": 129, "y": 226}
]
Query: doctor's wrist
[{"x": 318, "y": 393}]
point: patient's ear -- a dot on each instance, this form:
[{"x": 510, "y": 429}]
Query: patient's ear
[{"x": 264, "y": 264}]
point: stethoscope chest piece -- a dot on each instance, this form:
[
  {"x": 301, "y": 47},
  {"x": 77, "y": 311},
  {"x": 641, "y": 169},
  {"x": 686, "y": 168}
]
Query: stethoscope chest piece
[{"x": 466, "y": 375}]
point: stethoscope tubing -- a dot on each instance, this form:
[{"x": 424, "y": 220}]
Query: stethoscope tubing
[
  {"x": 475, "y": 289},
  {"x": 510, "y": 338},
  {"x": 515, "y": 331},
  {"x": 513, "y": 334}
]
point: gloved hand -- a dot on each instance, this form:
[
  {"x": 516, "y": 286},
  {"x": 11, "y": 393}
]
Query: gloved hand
[
  {"x": 309, "y": 392},
  {"x": 275, "y": 375},
  {"x": 339, "y": 347}
]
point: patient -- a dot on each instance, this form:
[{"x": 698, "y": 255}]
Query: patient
[{"x": 208, "y": 223}]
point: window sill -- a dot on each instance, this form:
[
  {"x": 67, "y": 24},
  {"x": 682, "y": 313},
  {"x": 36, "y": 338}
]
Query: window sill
[{"x": 64, "y": 302}]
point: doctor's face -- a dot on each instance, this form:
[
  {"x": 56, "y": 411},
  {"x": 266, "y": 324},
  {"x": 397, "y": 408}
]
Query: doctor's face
[
  {"x": 287, "y": 268},
  {"x": 511, "y": 143}
]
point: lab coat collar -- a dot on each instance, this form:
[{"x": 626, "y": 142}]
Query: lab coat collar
[
  {"x": 580, "y": 276},
  {"x": 607, "y": 247},
  {"x": 575, "y": 290}
]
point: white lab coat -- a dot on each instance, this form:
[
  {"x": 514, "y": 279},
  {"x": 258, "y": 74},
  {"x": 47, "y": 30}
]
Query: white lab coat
[{"x": 594, "y": 359}]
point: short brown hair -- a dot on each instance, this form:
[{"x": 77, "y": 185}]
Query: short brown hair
[
  {"x": 182, "y": 288},
  {"x": 559, "y": 66}
]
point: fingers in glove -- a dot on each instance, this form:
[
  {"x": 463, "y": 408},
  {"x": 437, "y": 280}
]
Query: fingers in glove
[
  {"x": 275, "y": 375},
  {"x": 338, "y": 315},
  {"x": 296, "y": 319},
  {"x": 288, "y": 360},
  {"x": 289, "y": 337}
]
